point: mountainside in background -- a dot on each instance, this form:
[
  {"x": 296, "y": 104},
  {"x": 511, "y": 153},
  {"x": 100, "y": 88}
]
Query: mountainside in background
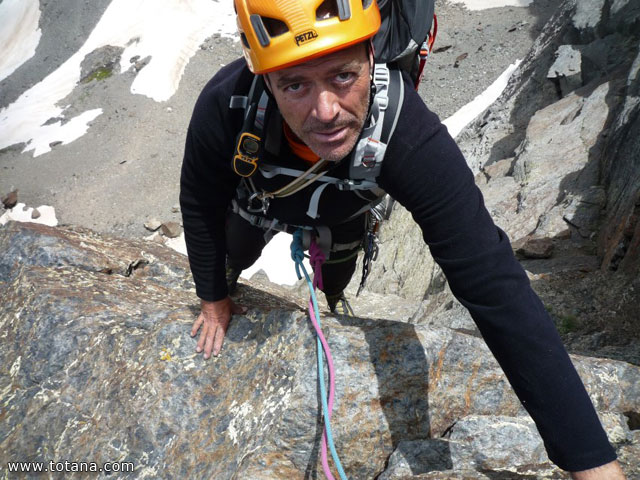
[{"x": 557, "y": 161}]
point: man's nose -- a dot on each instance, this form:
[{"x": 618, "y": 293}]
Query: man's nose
[{"x": 327, "y": 106}]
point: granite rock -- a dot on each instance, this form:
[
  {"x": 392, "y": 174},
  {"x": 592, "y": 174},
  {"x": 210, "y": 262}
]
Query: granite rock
[{"x": 97, "y": 364}]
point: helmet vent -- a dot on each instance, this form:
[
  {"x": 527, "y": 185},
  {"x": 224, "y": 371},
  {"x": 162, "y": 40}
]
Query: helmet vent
[
  {"x": 366, "y": 4},
  {"x": 274, "y": 26},
  {"x": 326, "y": 10},
  {"x": 333, "y": 8}
]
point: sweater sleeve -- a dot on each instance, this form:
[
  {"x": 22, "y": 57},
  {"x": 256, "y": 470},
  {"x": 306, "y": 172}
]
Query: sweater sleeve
[
  {"x": 207, "y": 185},
  {"x": 432, "y": 180}
]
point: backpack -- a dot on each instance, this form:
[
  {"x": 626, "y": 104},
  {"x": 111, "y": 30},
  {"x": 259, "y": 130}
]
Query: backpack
[{"x": 405, "y": 35}]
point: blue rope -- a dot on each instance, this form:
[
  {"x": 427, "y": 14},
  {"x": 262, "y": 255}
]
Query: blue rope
[{"x": 297, "y": 254}]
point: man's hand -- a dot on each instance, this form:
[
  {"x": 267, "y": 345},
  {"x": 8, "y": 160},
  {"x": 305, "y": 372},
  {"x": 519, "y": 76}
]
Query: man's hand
[
  {"x": 609, "y": 471},
  {"x": 214, "y": 319}
]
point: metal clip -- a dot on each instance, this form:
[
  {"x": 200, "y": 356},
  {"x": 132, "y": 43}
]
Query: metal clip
[{"x": 264, "y": 203}]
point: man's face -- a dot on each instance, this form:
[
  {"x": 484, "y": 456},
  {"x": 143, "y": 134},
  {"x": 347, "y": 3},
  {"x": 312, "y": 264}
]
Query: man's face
[{"x": 325, "y": 100}]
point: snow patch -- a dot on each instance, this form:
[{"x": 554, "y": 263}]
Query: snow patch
[
  {"x": 139, "y": 26},
  {"x": 20, "y": 36},
  {"x": 178, "y": 244},
  {"x": 276, "y": 262},
  {"x": 21, "y": 214},
  {"x": 484, "y": 4},
  {"x": 456, "y": 122}
]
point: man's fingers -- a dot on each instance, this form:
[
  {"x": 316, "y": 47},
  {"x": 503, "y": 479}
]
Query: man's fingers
[
  {"x": 203, "y": 337},
  {"x": 213, "y": 322},
  {"x": 221, "y": 331},
  {"x": 208, "y": 346},
  {"x": 197, "y": 324}
]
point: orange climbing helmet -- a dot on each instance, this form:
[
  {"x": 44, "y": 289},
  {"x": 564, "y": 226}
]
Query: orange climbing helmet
[{"x": 277, "y": 34}]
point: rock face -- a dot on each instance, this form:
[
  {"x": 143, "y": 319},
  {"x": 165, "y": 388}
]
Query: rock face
[
  {"x": 97, "y": 364},
  {"x": 556, "y": 155}
]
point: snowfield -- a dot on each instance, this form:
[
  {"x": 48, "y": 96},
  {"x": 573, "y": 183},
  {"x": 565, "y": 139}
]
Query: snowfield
[{"x": 139, "y": 26}]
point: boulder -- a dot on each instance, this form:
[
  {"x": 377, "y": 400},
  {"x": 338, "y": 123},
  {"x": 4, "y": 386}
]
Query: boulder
[{"x": 97, "y": 364}]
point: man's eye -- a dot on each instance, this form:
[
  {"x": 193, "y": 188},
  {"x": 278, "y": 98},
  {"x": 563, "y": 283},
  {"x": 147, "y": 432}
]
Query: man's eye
[
  {"x": 344, "y": 76},
  {"x": 294, "y": 87}
]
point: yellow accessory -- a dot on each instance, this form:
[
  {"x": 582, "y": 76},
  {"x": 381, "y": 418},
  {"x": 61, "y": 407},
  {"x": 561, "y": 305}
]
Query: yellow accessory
[
  {"x": 245, "y": 161},
  {"x": 276, "y": 34}
]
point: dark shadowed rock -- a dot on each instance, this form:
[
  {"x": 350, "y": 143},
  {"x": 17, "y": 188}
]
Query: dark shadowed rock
[
  {"x": 533, "y": 247},
  {"x": 10, "y": 200}
]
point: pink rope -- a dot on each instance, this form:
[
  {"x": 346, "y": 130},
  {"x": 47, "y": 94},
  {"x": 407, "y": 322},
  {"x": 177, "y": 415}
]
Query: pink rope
[
  {"x": 317, "y": 258},
  {"x": 325, "y": 346}
]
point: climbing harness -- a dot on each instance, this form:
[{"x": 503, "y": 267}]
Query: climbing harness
[{"x": 317, "y": 258}]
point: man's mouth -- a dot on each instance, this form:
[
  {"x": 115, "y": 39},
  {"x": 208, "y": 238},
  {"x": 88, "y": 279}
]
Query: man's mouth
[{"x": 330, "y": 136}]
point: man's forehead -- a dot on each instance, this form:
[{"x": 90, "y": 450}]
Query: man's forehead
[{"x": 350, "y": 57}]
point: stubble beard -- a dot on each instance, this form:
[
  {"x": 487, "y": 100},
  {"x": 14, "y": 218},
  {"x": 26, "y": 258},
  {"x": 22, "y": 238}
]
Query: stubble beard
[{"x": 353, "y": 123}]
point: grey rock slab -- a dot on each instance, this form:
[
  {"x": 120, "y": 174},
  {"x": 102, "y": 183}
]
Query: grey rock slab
[
  {"x": 501, "y": 196},
  {"x": 501, "y": 168},
  {"x": 567, "y": 69},
  {"x": 98, "y": 366},
  {"x": 588, "y": 15},
  {"x": 555, "y": 157},
  {"x": 498, "y": 443}
]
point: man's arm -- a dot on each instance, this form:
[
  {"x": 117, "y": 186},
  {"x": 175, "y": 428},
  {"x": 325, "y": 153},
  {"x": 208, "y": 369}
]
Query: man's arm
[
  {"x": 425, "y": 171},
  {"x": 207, "y": 186}
]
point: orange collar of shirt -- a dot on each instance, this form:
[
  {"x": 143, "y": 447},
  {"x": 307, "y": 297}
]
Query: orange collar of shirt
[{"x": 297, "y": 147}]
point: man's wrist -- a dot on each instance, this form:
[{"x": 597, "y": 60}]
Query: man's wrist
[{"x": 609, "y": 471}]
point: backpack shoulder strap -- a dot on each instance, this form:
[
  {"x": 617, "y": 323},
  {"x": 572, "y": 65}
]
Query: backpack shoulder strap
[
  {"x": 249, "y": 143},
  {"x": 367, "y": 157}
]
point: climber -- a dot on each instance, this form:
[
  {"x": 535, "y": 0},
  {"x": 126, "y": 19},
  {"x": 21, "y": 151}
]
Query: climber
[{"x": 308, "y": 131}]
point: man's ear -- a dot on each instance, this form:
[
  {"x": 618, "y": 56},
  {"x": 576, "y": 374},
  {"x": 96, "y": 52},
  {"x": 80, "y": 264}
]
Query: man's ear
[
  {"x": 267, "y": 86},
  {"x": 267, "y": 83}
]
